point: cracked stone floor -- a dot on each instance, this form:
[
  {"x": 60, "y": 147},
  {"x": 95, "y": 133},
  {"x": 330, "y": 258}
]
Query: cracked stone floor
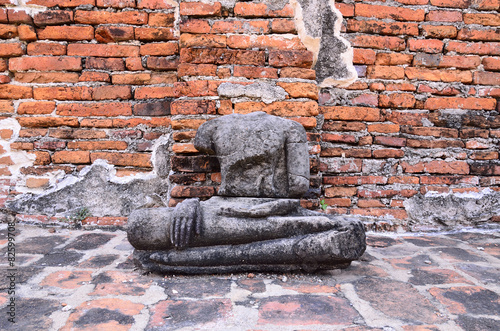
[{"x": 85, "y": 280}]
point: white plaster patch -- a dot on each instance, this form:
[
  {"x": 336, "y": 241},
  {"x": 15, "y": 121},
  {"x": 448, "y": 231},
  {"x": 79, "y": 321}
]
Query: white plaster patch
[
  {"x": 266, "y": 92},
  {"x": 20, "y": 5}
]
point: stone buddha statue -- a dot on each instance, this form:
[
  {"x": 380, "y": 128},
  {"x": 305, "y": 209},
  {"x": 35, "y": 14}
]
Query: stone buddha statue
[{"x": 256, "y": 222}]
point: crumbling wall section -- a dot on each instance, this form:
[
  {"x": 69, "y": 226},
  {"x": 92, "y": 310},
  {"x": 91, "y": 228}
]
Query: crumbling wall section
[{"x": 89, "y": 80}]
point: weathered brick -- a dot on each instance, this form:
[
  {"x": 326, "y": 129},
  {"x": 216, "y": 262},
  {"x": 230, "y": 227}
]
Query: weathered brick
[
  {"x": 195, "y": 26},
  {"x": 187, "y": 148},
  {"x": 111, "y": 92},
  {"x": 161, "y": 19},
  {"x": 96, "y": 123},
  {"x": 193, "y": 107},
  {"x": 97, "y": 145},
  {"x": 479, "y": 35},
  {"x": 154, "y": 4},
  {"x": 196, "y": 88},
  {"x": 451, "y": 3},
  {"x": 491, "y": 63},
  {"x": 280, "y": 108},
  {"x": 430, "y": 131},
  {"x": 107, "y": 109},
  {"x": 163, "y": 78},
  {"x": 460, "y": 103},
  {"x": 131, "y": 79},
  {"x": 3, "y": 13},
  {"x": 123, "y": 159},
  {"x": 281, "y": 25},
  {"x": 350, "y": 113},
  {"x": 75, "y": 157},
  {"x": 363, "y": 56},
  {"x": 16, "y": 16},
  {"x": 61, "y": 3},
  {"x": 53, "y": 17},
  {"x": 15, "y": 92},
  {"x": 76, "y": 134},
  {"x": 255, "y": 72},
  {"x": 246, "y": 9},
  {"x": 155, "y": 34},
  {"x": 202, "y": 40},
  {"x": 134, "y": 64},
  {"x": 11, "y": 49},
  {"x": 444, "y": 16},
  {"x": 438, "y": 60},
  {"x": 162, "y": 63},
  {"x": 486, "y": 4},
  {"x": 378, "y": 27},
  {"x": 200, "y": 9},
  {"x": 438, "y": 75},
  {"x": 486, "y": 78},
  {"x": 6, "y": 106},
  {"x": 45, "y": 63},
  {"x": 383, "y": 128},
  {"x": 397, "y": 100},
  {"x": 414, "y": 143},
  {"x": 264, "y": 42},
  {"x": 116, "y": 3},
  {"x": 154, "y": 92},
  {"x": 47, "y": 122},
  {"x": 92, "y": 76},
  {"x": 245, "y": 27},
  {"x": 296, "y": 58},
  {"x": 301, "y": 90},
  {"x": 100, "y": 17},
  {"x": 425, "y": 45},
  {"x": 42, "y": 48},
  {"x": 69, "y": 33},
  {"x": 354, "y": 180},
  {"x": 222, "y": 56},
  {"x": 8, "y": 31},
  {"x": 100, "y": 50},
  {"x": 113, "y": 34},
  {"x": 337, "y": 191},
  {"x": 377, "y": 42},
  {"x": 159, "y": 49},
  {"x": 385, "y": 72},
  {"x": 186, "y": 69},
  {"x": 51, "y": 145},
  {"x": 339, "y": 138},
  {"x": 390, "y": 141},
  {"x": 152, "y": 109},
  {"x": 482, "y": 19},
  {"x": 441, "y": 32},
  {"x": 26, "y": 33},
  {"x": 298, "y": 73},
  {"x": 63, "y": 93},
  {"x": 102, "y": 63},
  {"x": 192, "y": 191},
  {"x": 395, "y": 13},
  {"x": 491, "y": 48},
  {"x": 393, "y": 59}
]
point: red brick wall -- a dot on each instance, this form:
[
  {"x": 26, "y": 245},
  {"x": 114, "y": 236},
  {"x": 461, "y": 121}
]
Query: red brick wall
[{"x": 102, "y": 79}]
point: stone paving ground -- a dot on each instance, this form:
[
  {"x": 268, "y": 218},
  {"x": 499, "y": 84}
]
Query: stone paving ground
[{"x": 85, "y": 280}]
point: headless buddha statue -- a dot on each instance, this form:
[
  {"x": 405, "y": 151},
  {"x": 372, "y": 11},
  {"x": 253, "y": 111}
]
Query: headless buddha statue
[{"x": 256, "y": 223}]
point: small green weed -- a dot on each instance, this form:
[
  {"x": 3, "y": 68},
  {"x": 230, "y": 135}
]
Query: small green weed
[
  {"x": 323, "y": 205},
  {"x": 75, "y": 220}
]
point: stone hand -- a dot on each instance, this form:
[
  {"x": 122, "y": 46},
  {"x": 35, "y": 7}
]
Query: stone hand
[{"x": 186, "y": 222}]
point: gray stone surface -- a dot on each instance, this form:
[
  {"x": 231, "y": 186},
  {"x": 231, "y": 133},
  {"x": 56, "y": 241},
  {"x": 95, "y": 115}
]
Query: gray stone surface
[
  {"x": 265, "y": 92},
  {"x": 97, "y": 189},
  {"x": 260, "y": 155},
  {"x": 452, "y": 209},
  {"x": 257, "y": 223}
]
